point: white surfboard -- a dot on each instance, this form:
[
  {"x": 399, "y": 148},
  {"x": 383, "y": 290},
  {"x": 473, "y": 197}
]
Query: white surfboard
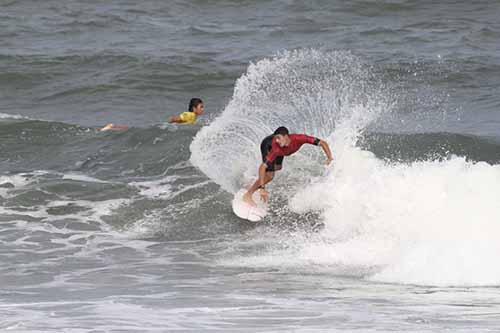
[{"x": 246, "y": 211}]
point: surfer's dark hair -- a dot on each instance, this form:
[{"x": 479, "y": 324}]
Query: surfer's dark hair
[
  {"x": 194, "y": 102},
  {"x": 281, "y": 130}
]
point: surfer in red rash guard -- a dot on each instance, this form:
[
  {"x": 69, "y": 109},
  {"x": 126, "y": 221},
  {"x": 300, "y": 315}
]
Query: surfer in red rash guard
[{"x": 273, "y": 149}]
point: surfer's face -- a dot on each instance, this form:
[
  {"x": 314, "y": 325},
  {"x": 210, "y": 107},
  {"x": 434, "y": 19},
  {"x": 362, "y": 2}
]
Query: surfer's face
[
  {"x": 282, "y": 140},
  {"x": 199, "y": 109}
]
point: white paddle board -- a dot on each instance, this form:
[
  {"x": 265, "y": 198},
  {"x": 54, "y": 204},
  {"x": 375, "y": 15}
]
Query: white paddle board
[{"x": 247, "y": 211}]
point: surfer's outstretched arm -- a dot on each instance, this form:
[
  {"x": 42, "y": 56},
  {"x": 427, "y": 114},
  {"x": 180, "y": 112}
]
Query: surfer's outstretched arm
[
  {"x": 264, "y": 178},
  {"x": 326, "y": 149}
]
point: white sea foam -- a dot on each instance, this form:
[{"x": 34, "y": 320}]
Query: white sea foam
[
  {"x": 12, "y": 116},
  {"x": 83, "y": 178},
  {"x": 432, "y": 222},
  {"x": 11, "y": 183}
]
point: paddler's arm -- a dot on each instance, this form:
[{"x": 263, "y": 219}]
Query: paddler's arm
[
  {"x": 326, "y": 149},
  {"x": 176, "y": 119}
]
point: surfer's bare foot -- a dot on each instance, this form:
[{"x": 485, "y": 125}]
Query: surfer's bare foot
[
  {"x": 107, "y": 127},
  {"x": 113, "y": 127},
  {"x": 247, "y": 198}
]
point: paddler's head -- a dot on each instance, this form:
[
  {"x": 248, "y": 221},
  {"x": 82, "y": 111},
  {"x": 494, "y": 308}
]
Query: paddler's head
[{"x": 196, "y": 106}]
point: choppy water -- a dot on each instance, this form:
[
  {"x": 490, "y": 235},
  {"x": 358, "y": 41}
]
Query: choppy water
[{"x": 133, "y": 231}]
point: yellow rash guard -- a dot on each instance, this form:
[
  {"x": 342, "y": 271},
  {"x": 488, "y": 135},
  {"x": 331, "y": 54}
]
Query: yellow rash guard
[{"x": 188, "y": 117}]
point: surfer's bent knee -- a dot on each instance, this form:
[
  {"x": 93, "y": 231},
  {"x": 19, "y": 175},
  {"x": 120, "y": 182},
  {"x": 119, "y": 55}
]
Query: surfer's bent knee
[{"x": 270, "y": 175}]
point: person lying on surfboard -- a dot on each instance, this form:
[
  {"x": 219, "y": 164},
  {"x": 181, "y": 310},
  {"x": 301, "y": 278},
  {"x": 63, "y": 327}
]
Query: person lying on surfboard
[
  {"x": 274, "y": 148},
  {"x": 195, "y": 108}
]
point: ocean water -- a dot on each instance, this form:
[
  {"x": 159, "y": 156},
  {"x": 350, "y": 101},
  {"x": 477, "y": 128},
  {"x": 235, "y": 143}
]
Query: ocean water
[{"x": 133, "y": 231}]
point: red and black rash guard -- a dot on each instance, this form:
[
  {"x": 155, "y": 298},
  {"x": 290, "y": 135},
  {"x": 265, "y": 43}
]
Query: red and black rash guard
[{"x": 296, "y": 141}]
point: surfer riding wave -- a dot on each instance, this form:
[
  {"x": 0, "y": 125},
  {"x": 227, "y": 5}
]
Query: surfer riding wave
[{"x": 274, "y": 148}]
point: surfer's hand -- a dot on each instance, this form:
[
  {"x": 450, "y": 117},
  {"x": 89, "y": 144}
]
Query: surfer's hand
[
  {"x": 328, "y": 161},
  {"x": 264, "y": 195}
]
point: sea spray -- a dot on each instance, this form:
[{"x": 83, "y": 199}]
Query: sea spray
[{"x": 309, "y": 91}]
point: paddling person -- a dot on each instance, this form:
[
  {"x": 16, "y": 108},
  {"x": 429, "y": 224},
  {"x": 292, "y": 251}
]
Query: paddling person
[
  {"x": 195, "y": 109},
  {"x": 274, "y": 148}
]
